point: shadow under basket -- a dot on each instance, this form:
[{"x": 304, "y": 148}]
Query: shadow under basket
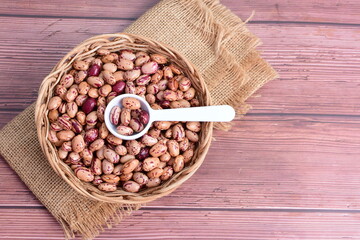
[{"x": 115, "y": 43}]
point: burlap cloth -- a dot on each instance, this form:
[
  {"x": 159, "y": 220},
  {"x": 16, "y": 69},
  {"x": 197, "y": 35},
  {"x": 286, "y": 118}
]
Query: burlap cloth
[{"x": 210, "y": 36}]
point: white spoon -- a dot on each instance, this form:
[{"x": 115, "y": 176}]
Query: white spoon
[{"x": 221, "y": 113}]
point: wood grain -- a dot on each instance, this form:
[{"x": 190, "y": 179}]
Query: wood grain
[
  {"x": 262, "y": 163},
  {"x": 203, "y": 224},
  {"x": 287, "y": 170},
  {"x": 322, "y": 11},
  {"x": 317, "y": 64}
]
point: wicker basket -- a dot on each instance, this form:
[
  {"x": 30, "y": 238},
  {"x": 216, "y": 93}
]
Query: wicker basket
[{"x": 116, "y": 42}]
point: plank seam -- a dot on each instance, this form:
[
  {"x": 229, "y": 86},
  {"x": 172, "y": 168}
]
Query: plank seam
[
  {"x": 133, "y": 19},
  {"x": 305, "y": 210}
]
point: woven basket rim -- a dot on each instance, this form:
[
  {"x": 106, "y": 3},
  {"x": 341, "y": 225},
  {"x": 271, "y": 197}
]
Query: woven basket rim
[{"x": 112, "y": 42}]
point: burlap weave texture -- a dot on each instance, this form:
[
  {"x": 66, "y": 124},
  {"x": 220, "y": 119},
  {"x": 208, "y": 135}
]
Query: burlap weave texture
[{"x": 210, "y": 36}]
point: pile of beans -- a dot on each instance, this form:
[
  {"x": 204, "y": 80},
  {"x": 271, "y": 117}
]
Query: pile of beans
[
  {"x": 77, "y": 128},
  {"x": 131, "y": 118}
]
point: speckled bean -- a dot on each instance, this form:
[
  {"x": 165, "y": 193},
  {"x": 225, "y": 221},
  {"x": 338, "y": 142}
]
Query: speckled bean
[
  {"x": 188, "y": 154},
  {"x": 157, "y": 76},
  {"x": 168, "y": 133},
  {"x": 140, "y": 178},
  {"x": 184, "y": 84},
  {"x": 71, "y": 94},
  {"x": 66, "y": 146},
  {"x": 168, "y": 74},
  {"x": 110, "y": 178},
  {"x": 179, "y": 163},
  {"x": 125, "y": 177},
  {"x": 111, "y": 67},
  {"x": 130, "y": 88},
  {"x": 193, "y": 126},
  {"x": 184, "y": 144},
  {"x": 80, "y": 76},
  {"x": 150, "y": 163},
  {"x": 97, "y": 180},
  {"x": 150, "y": 98},
  {"x": 65, "y": 135},
  {"x": 53, "y": 115},
  {"x": 117, "y": 169},
  {"x": 126, "y": 158},
  {"x": 84, "y": 174},
  {"x": 168, "y": 172},
  {"x": 107, "y": 167},
  {"x": 173, "y": 148},
  {"x": 149, "y": 67},
  {"x": 100, "y": 153},
  {"x": 127, "y": 54},
  {"x": 95, "y": 82},
  {"x": 81, "y": 117},
  {"x": 107, "y": 187},
  {"x": 189, "y": 94},
  {"x": 111, "y": 156},
  {"x": 154, "y": 132},
  {"x": 153, "y": 182},
  {"x": 124, "y": 130},
  {"x": 178, "y": 132},
  {"x": 108, "y": 77},
  {"x": 125, "y": 116},
  {"x": 114, "y": 140},
  {"x": 96, "y": 145},
  {"x": 121, "y": 150},
  {"x": 141, "y": 60},
  {"x": 130, "y": 166},
  {"x": 115, "y": 114},
  {"x": 93, "y": 92},
  {"x": 132, "y": 75},
  {"x": 124, "y": 64},
  {"x": 162, "y": 125},
  {"x": 96, "y": 166},
  {"x": 103, "y": 131},
  {"x": 91, "y": 118},
  {"x": 80, "y": 100},
  {"x": 100, "y": 113},
  {"x": 78, "y": 143},
  {"x": 54, "y": 103},
  {"x": 155, "y": 173},
  {"x": 170, "y": 95},
  {"x": 62, "y": 154},
  {"x": 173, "y": 84},
  {"x": 131, "y": 103},
  {"x": 192, "y": 136},
  {"x": 165, "y": 157},
  {"x": 131, "y": 186},
  {"x": 87, "y": 157}
]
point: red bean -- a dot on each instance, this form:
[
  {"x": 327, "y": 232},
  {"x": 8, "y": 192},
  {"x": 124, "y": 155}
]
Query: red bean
[
  {"x": 89, "y": 105},
  {"x": 165, "y": 104},
  {"x": 119, "y": 87},
  {"x": 94, "y": 70},
  {"x": 144, "y": 153}
]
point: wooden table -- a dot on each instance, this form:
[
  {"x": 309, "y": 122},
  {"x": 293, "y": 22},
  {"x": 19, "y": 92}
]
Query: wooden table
[{"x": 290, "y": 169}]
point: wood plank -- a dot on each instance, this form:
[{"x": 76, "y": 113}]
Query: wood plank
[
  {"x": 263, "y": 162},
  {"x": 279, "y": 10},
  {"x": 318, "y": 65},
  {"x": 198, "y": 224}
]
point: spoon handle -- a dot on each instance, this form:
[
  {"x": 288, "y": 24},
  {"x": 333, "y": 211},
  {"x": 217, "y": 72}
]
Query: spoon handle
[{"x": 221, "y": 113}]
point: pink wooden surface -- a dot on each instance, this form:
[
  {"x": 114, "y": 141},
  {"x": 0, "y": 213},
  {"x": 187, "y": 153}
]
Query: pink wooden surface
[{"x": 288, "y": 170}]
